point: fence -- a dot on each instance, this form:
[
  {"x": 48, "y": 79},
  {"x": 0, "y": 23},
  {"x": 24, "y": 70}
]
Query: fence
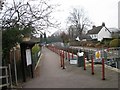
[
  {"x": 5, "y": 77},
  {"x": 16, "y": 64},
  {"x": 89, "y": 55},
  {"x": 111, "y": 55}
]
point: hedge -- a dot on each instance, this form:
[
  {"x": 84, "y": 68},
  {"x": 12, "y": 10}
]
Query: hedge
[{"x": 115, "y": 43}]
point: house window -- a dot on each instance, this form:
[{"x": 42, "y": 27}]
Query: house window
[{"x": 94, "y": 36}]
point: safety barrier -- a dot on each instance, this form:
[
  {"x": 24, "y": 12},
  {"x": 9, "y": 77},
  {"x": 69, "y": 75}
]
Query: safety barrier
[{"x": 92, "y": 55}]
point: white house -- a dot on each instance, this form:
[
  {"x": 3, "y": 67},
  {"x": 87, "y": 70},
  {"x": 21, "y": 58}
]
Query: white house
[{"x": 99, "y": 32}]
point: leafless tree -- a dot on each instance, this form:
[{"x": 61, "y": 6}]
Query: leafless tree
[
  {"x": 79, "y": 19},
  {"x": 37, "y": 15},
  {"x": 1, "y": 4},
  {"x": 64, "y": 37}
]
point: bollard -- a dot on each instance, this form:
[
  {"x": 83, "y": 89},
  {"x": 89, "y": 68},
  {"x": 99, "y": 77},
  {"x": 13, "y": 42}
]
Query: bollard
[
  {"x": 63, "y": 61},
  {"x": 84, "y": 63},
  {"x": 56, "y": 50},
  {"x": 72, "y": 54},
  {"x": 103, "y": 69},
  {"x": 92, "y": 65},
  {"x": 53, "y": 49},
  {"x": 59, "y": 52},
  {"x": 68, "y": 55}
]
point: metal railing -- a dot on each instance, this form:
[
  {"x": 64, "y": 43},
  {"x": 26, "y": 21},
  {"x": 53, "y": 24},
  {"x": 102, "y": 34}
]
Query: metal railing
[{"x": 6, "y": 76}]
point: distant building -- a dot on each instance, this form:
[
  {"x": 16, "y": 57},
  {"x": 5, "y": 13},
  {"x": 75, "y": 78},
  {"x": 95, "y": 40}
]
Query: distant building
[
  {"x": 84, "y": 37},
  {"x": 119, "y": 14},
  {"x": 73, "y": 32},
  {"x": 99, "y": 33},
  {"x": 115, "y": 32}
]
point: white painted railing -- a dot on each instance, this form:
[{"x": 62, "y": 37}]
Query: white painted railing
[{"x": 6, "y": 76}]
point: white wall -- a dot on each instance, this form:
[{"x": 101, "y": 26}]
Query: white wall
[
  {"x": 94, "y": 36},
  {"x": 103, "y": 34}
]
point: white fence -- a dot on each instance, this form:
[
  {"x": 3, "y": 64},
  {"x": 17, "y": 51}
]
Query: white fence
[{"x": 6, "y": 76}]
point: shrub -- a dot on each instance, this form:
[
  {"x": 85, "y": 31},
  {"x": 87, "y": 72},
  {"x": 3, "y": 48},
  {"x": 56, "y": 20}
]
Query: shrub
[
  {"x": 35, "y": 56},
  {"x": 35, "y": 49},
  {"x": 115, "y": 43}
]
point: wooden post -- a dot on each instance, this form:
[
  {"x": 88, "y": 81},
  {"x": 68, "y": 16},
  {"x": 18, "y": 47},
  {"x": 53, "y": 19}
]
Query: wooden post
[
  {"x": 15, "y": 67},
  {"x": 10, "y": 78},
  {"x": 24, "y": 46}
]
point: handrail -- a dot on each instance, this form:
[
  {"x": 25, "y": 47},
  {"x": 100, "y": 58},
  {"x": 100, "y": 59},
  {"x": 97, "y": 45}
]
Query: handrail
[
  {"x": 5, "y": 76},
  {"x": 3, "y": 67}
]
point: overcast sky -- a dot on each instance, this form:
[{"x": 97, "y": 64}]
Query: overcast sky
[{"x": 97, "y": 10}]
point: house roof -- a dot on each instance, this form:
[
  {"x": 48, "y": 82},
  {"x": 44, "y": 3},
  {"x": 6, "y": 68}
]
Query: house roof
[
  {"x": 84, "y": 36},
  {"x": 115, "y": 30},
  {"x": 95, "y": 30}
]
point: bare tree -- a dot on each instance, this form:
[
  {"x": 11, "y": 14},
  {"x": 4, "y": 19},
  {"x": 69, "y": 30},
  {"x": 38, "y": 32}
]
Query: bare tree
[
  {"x": 26, "y": 14},
  {"x": 79, "y": 19},
  {"x": 64, "y": 37},
  {"x": 24, "y": 18},
  {"x": 1, "y": 4}
]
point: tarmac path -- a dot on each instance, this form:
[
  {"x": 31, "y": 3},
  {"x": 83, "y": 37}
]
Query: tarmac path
[{"x": 51, "y": 75}]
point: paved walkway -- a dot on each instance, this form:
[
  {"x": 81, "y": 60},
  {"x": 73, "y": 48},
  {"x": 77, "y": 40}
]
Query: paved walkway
[{"x": 51, "y": 75}]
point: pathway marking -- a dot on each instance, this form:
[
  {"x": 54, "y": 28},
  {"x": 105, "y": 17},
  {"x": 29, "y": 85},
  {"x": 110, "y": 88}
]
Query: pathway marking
[{"x": 38, "y": 61}]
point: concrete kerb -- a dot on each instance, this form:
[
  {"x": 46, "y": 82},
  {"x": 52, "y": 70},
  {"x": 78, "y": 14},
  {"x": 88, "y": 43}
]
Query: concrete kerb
[
  {"x": 112, "y": 68},
  {"x": 38, "y": 61}
]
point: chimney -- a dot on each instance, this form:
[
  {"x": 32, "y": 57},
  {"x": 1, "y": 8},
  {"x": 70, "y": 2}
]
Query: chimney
[
  {"x": 93, "y": 26},
  {"x": 103, "y": 24}
]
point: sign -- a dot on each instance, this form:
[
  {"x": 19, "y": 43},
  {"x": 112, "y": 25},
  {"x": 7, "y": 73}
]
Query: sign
[
  {"x": 73, "y": 61},
  {"x": 80, "y": 54},
  {"x": 98, "y": 55},
  {"x": 28, "y": 57}
]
